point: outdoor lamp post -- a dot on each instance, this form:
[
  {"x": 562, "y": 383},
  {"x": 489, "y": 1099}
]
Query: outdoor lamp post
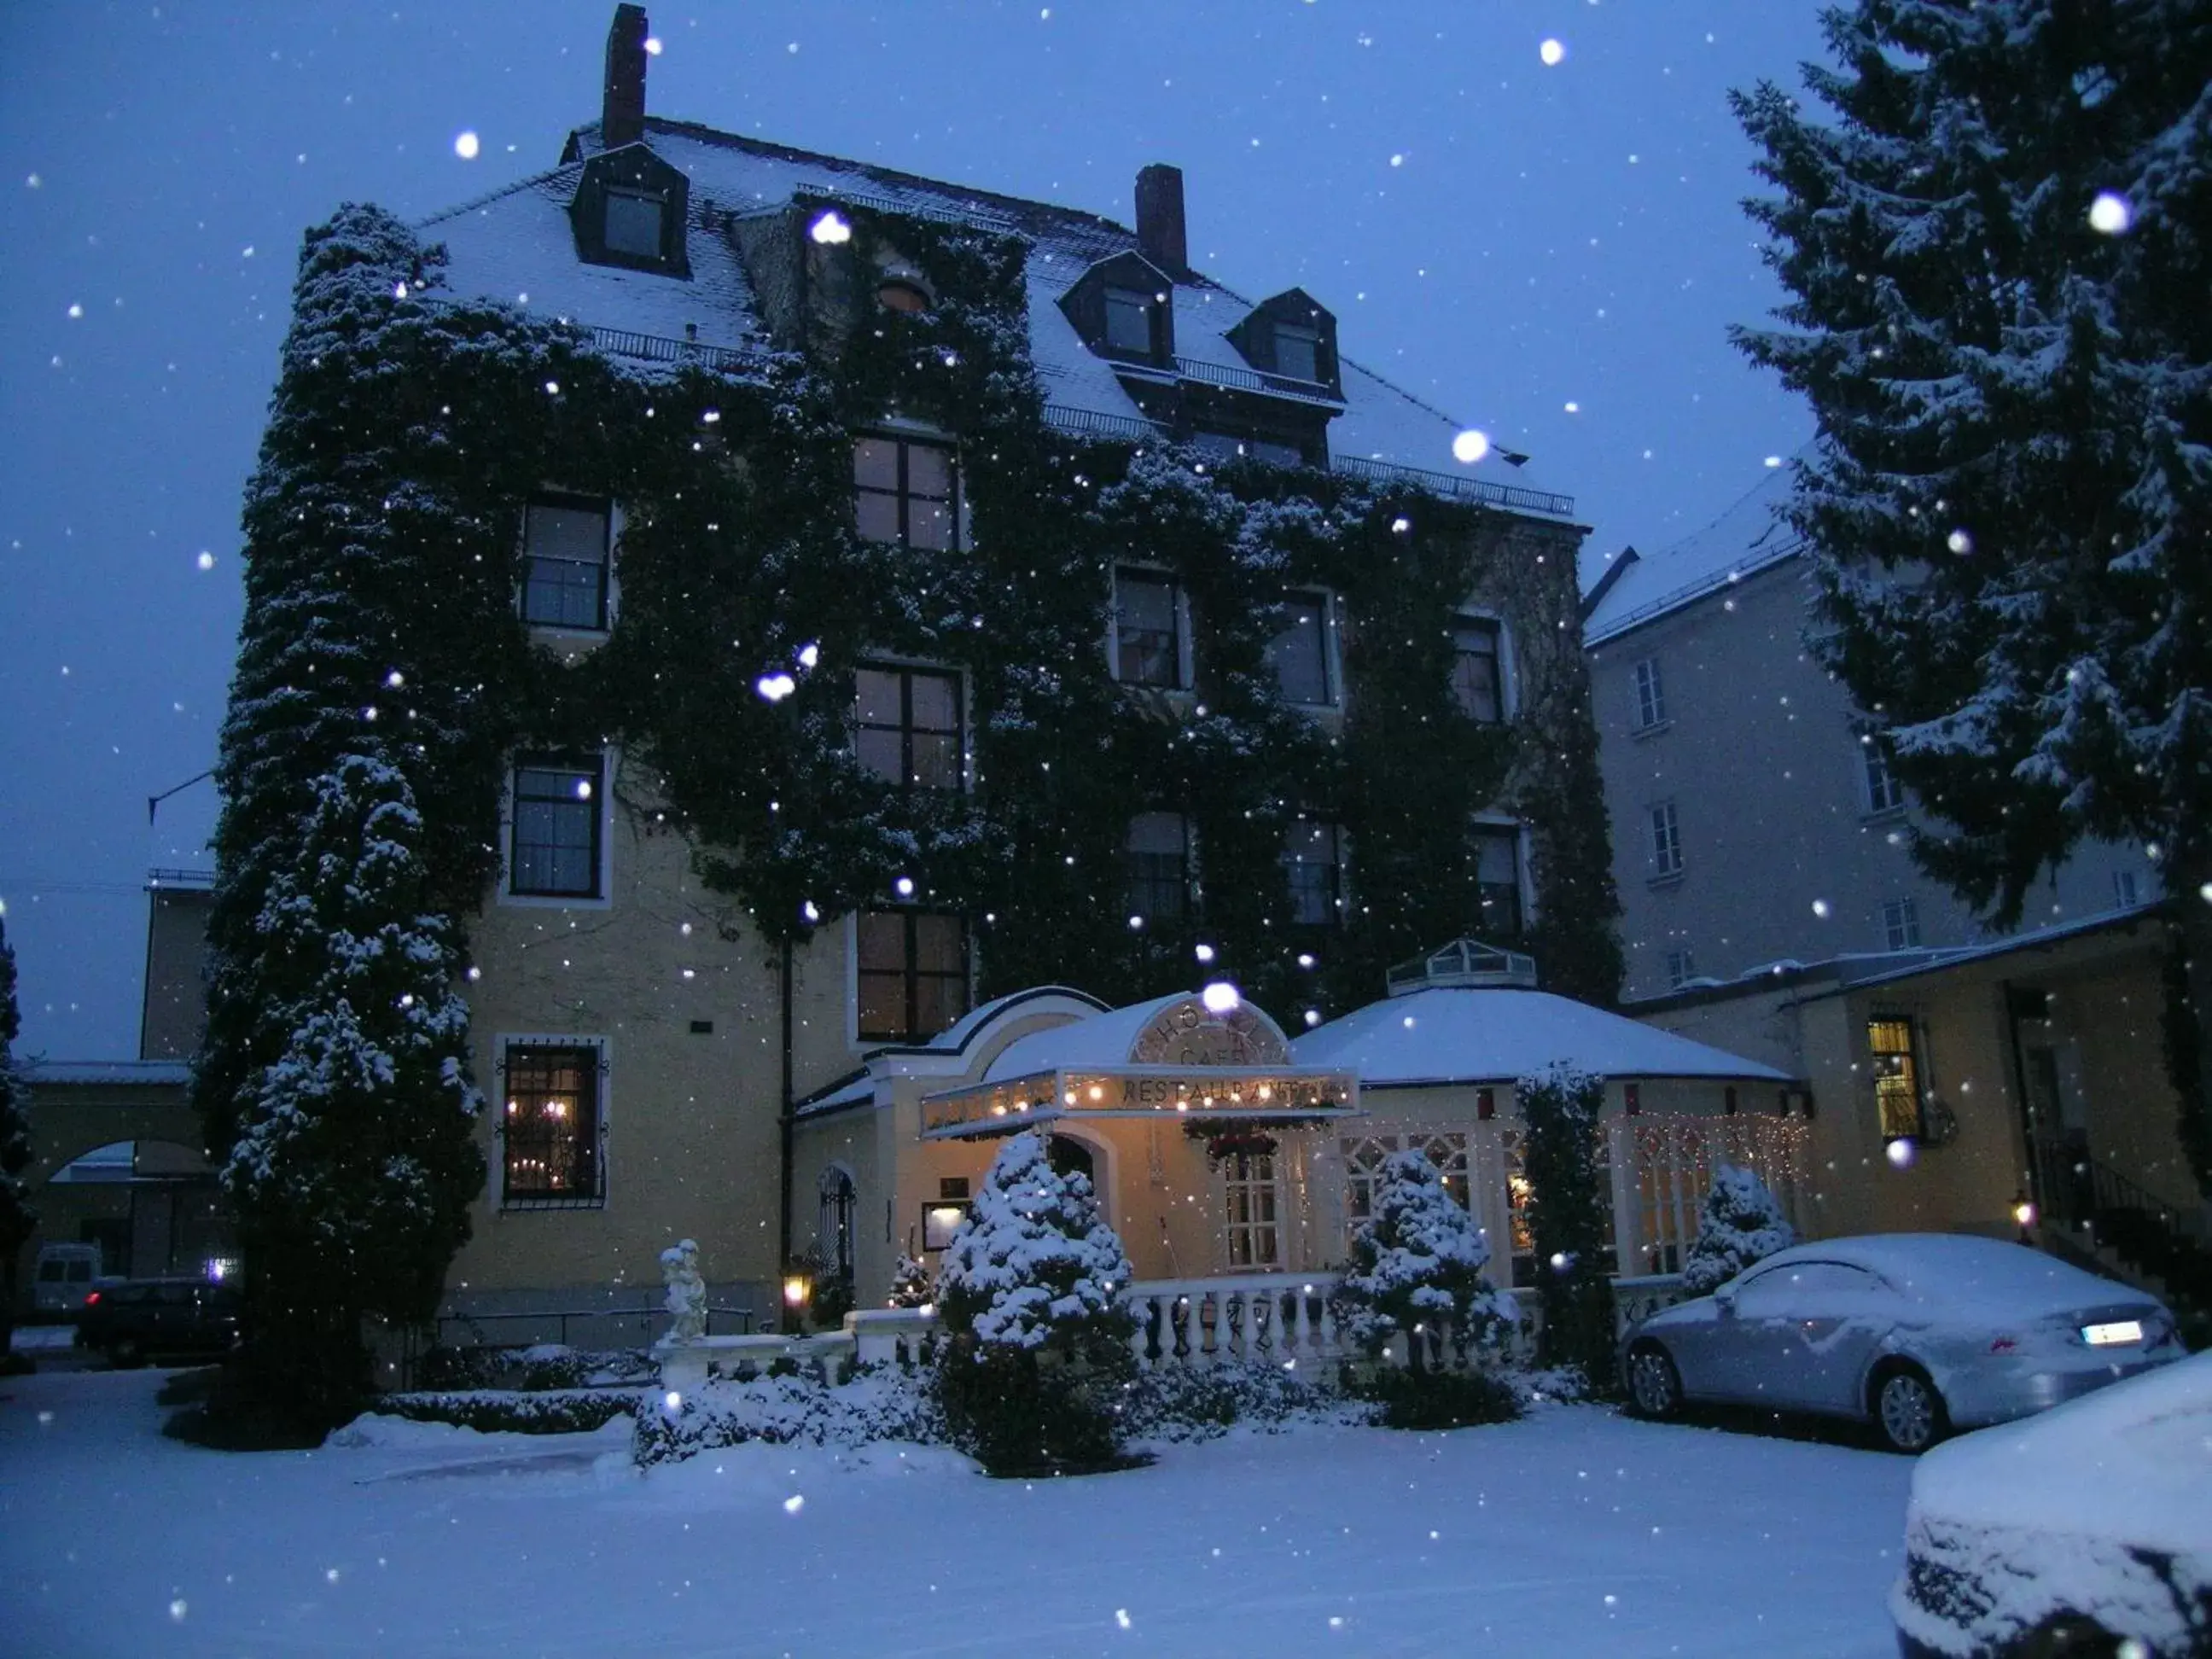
[
  {"x": 797, "y": 1289},
  {"x": 2023, "y": 1212}
]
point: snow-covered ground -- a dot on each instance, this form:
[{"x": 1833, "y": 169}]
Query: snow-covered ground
[{"x": 1574, "y": 1532}]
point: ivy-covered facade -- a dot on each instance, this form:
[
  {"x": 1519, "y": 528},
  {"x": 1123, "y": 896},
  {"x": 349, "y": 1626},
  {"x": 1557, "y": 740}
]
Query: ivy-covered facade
[{"x": 803, "y": 601}]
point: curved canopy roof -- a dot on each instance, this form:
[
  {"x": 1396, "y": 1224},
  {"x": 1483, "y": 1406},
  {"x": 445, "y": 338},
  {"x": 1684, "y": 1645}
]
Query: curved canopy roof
[
  {"x": 1495, "y": 1035},
  {"x": 1169, "y": 1031}
]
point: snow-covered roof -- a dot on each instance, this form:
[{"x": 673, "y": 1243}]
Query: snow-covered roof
[
  {"x": 1102, "y": 1039},
  {"x": 149, "y": 1072},
  {"x": 518, "y": 242},
  {"x": 1489, "y": 1036},
  {"x": 1748, "y": 538}
]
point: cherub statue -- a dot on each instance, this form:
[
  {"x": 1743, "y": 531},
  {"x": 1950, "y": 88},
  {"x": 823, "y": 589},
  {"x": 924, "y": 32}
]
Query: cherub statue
[{"x": 686, "y": 1301}]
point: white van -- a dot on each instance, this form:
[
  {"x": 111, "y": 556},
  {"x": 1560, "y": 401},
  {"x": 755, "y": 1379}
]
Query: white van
[{"x": 63, "y": 1277}]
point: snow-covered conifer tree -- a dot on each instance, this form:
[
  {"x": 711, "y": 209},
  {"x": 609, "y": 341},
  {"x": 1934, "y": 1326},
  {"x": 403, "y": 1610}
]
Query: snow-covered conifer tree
[
  {"x": 913, "y": 1285},
  {"x": 16, "y": 1215},
  {"x": 1416, "y": 1264},
  {"x": 1559, "y": 1109},
  {"x": 1741, "y": 1223},
  {"x": 1997, "y": 239}
]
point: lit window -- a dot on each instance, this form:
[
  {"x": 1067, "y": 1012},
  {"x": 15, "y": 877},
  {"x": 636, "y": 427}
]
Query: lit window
[
  {"x": 1129, "y": 320},
  {"x": 1896, "y": 1075},
  {"x": 1497, "y": 877},
  {"x": 1147, "y": 629},
  {"x": 554, "y": 848},
  {"x": 550, "y": 1130},
  {"x": 1884, "y": 792},
  {"x": 1901, "y": 923},
  {"x": 1650, "y": 695},
  {"x": 1666, "y": 840},
  {"x": 905, "y": 492},
  {"x": 564, "y": 571},
  {"x": 1299, "y": 651},
  {"x": 1681, "y": 969},
  {"x": 1251, "y": 1205},
  {"x": 634, "y": 223},
  {"x": 908, "y": 727},
  {"x": 1297, "y": 352},
  {"x": 913, "y": 974},
  {"x": 1159, "y": 866},
  {"x": 1313, "y": 865},
  {"x": 1478, "y": 686}
]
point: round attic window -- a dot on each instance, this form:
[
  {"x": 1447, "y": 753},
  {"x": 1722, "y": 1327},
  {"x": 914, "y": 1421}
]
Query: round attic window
[{"x": 897, "y": 293}]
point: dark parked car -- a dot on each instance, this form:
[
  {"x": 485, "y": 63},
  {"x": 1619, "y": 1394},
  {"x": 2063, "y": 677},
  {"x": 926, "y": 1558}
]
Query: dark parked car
[
  {"x": 1916, "y": 1333},
  {"x": 134, "y": 1320}
]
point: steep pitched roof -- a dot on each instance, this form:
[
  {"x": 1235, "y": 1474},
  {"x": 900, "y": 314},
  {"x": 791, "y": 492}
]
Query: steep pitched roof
[{"x": 1750, "y": 536}]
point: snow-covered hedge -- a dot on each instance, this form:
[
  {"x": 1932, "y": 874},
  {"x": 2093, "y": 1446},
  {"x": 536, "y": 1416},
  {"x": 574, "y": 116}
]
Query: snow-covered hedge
[
  {"x": 1179, "y": 1402},
  {"x": 553, "y": 1411},
  {"x": 533, "y": 1370},
  {"x": 876, "y": 1404}
]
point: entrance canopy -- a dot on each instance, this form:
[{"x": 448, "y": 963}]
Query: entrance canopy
[{"x": 1172, "y": 1056}]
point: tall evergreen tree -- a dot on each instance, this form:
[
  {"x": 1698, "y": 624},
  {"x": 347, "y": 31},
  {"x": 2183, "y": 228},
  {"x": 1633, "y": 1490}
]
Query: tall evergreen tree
[
  {"x": 16, "y": 1215},
  {"x": 1998, "y": 244},
  {"x": 1560, "y": 1107}
]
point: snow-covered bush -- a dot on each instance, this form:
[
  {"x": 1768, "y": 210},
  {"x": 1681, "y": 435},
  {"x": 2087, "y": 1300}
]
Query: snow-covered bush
[
  {"x": 1559, "y": 1109},
  {"x": 540, "y": 1368},
  {"x": 1033, "y": 1276},
  {"x": 878, "y": 1404},
  {"x": 551, "y": 1410},
  {"x": 1740, "y": 1224},
  {"x": 913, "y": 1285},
  {"x": 1416, "y": 1267},
  {"x": 1185, "y": 1402}
]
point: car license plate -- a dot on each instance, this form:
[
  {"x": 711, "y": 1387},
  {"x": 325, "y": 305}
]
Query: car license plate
[{"x": 2112, "y": 1335}]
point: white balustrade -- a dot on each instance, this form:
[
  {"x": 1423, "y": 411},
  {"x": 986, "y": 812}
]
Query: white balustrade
[{"x": 1277, "y": 1319}]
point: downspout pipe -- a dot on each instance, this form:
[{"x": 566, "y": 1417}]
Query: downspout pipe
[{"x": 786, "y": 1124}]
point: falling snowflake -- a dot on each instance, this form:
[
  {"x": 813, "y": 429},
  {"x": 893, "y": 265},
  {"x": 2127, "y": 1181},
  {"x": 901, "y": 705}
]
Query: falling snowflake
[
  {"x": 829, "y": 228},
  {"x": 465, "y": 146},
  {"x": 1220, "y": 997},
  {"x": 2111, "y": 214},
  {"x": 1470, "y": 446},
  {"x": 1553, "y": 53}
]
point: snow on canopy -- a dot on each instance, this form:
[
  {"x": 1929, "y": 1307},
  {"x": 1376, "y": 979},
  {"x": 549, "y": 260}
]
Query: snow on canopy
[
  {"x": 520, "y": 240},
  {"x": 1488, "y": 1035}
]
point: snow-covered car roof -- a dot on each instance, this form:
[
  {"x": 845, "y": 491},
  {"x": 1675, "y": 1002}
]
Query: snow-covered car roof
[
  {"x": 1969, "y": 1275},
  {"x": 517, "y": 245}
]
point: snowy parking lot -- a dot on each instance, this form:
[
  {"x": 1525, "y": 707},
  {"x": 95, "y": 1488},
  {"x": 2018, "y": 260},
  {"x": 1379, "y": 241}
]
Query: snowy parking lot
[{"x": 1573, "y": 1532}]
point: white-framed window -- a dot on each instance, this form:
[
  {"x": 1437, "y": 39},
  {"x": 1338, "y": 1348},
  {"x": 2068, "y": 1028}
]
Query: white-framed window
[
  {"x": 1497, "y": 861},
  {"x": 1681, "y": 968},
  {"x": 907, "y": 491},
  {"x": 1303, "y": 653},
  {"x": 1159, "y": 866},
  {"x": 1884, "y": 794},
  {"x": 1150, "y": 633},
  {"x": 1363, "y": 1158},
  {"x": 1666, "y": 840},
  {"x": 2124, "y": 889},
  {"x": 1251, "y": 1206},
  {"x": 556, "y": 831},
  {"x": 567, "y": 553},
  {"x": 1901, "y": 923},
  {"x": 1478, "y": 683},
  {"x": 1650, "y": 694},
  {"x": 552, "y": 1127},
  {"x": 906, "y": 724},
  {"x": 1314, "y": 868}
]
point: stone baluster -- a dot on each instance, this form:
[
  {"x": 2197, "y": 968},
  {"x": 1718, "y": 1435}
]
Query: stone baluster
[
  {"x": 1190, "y": 1345},
  {"x": 1142, "y": 1309},
  {"x": 1301, "y": 1334}
]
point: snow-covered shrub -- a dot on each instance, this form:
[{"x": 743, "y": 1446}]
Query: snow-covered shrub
[
  {"x": 913, "y": 1285},
  {"x": 1036, "y": 1343},
  {"x": 880, "y": 1403},
  {"x": 1416, "y": 1267},
  {"x": 1440, "y": 1400},
  {"x": 553, "y": 1411},
  {"x": 1740, "y": 1224},
  {"x": 534, "y": 1370},
  {"x": 1559, "y": 1109},
  {"x": 1185, "y": 1402}
]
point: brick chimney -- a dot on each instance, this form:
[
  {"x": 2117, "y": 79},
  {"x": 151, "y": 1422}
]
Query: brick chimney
[
  {"x": 1159, "y": 219},
  {"x": 622, "y": 111}
]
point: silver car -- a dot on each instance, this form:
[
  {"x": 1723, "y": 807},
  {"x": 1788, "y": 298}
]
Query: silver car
[{"x": 1916, "y": 1333}]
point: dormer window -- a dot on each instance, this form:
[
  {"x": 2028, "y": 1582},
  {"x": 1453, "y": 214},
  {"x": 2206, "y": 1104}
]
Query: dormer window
[
  {"x": 1297, "y": 352},
  {"x": 634, "y": 222},
  {"x": 1129, "y": 320}
]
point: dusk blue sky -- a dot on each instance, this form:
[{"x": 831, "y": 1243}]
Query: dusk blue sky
[{"x": 1501, "y": 237}]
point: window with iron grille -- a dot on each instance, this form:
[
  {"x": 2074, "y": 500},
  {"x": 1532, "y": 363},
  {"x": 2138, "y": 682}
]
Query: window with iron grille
[
  {"x": 833, "y": 1227},
  {"x": 906, "y": 492},
  {"x": 550, "y": 1128},
  {"x": 1650, "y": 694},
  {"x": 913, "y": 974},
  {"x": 908, "y": 726},
  {"x": 1901, "y": 923},
  {"x": 1666, "y": 840},
  {"x": 1313, "y": 864},
  {"x": 1497, "y": 877},
  {"x": 565, "y": 541},
  {"x": 1300, "y": 652},
  {"x": 1147, "y": 629},
  {"x": 555, "y": 844},
  {"x": 1477, "y": 687},
  {"x": 1159, "y": 866},
  {"x": 1884, "y": 792},
  {"x": 1251, "y": 1206}
]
